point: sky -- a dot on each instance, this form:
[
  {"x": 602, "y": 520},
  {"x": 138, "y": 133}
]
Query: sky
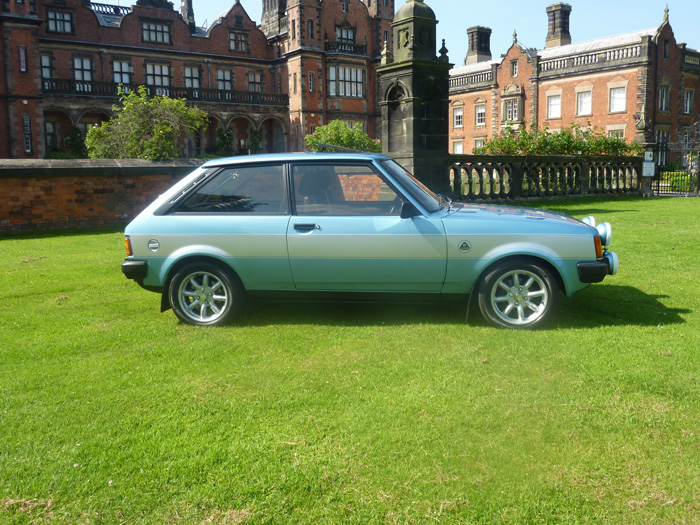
[{"x": 590, "y": 19}]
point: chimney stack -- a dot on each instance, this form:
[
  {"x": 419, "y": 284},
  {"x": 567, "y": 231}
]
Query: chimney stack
[
  {"x": 187, "y": 13},
  {"x": 558, "y": 33},
  {"x": 479, "y": 45}
]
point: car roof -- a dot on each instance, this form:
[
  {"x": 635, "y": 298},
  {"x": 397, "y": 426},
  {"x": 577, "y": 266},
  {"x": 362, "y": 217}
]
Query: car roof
[{"x": 295, "y": 157}]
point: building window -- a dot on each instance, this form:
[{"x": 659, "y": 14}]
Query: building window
[
  {"x": 618, "y": 97},
  {"x": 584, "y": 105},
  {"x": 294, "y": 83},
  {"x": 121, "y": 72},
  {"x": 158, "y": 77},
  {"x": 458, "y": 147},
  {"x": 310, "y": 29},
  {"x": 82, "y": 71},
  {"x": 478, "y": 143},
  {"x": 458, "y": 118},
  {"x": 346, "y": 82},
  {"x": 663, "y": 150},
  {"x": 688, "y": 101},
  {"x": 156, "y": 32},
  {"x": 554, "y": 106},
  {"x": 664, "y": 98},
  {"x": 345, "y": 34},
  {"x": 192, "y": 77},
  {"x": 255, "y": 82},
  {"x": 46, "y": 71},
  {"x": 312, "y": 82},
  {"x": 514, "y": 68},
  {"x": 344, "y": 5},
  {"x": 27, "y": 133},
  {"x": 223, "y": 80},
  {"x": 50, "y": 136},
  {"x": 22, "y": 57},
  {"x": 294, "y": 29},
  {"x": 480, "y": 114},
  {"x": 666, "y": 47},
  {"x": 60, "y": 21},
  {"x": 511, "y": 109},
  {"x": 239, "y": 41},
  {"x": 616, "y": 133}
]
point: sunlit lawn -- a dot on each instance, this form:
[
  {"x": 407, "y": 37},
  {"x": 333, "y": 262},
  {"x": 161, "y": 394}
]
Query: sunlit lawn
[{"x": 111, "y": 412}]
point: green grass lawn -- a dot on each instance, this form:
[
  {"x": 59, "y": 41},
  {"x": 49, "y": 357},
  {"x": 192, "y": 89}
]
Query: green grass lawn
[{"x": 111, "y": 412}]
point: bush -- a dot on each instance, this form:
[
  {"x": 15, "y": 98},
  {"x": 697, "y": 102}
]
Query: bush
[
  {"x": 337, "y": 133},
  {"x": 144, "y": 128},
  {"x": 569, "y": 141}
]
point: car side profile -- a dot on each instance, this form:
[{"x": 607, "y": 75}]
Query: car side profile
[{"x": 352, "y": 227}]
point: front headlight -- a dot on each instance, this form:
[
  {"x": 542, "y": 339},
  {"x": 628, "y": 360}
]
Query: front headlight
[
  {"x": 590, "y": 220},
  {"x": 605, "y": 232}
]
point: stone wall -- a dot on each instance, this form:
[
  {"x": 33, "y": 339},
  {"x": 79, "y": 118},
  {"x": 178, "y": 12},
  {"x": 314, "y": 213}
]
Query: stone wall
[{"x": 61, "y": 194}]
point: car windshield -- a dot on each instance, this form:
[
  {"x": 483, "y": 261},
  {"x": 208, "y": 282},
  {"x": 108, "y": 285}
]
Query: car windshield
[{"x": 431, "y": 201}]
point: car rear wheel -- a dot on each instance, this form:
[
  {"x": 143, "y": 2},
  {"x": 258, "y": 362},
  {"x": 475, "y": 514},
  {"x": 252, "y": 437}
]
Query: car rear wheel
[
  {"x": 204, "y": 295},
  {"x": 518, "y": 295}
]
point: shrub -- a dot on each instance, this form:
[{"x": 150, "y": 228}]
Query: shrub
[{"x": 337, "y": 133}]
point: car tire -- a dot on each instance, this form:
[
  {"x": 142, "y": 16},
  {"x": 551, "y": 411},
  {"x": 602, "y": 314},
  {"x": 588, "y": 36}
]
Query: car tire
[
  {"x": 203, "y": 294},
  {"x": 518, "y": 295}
]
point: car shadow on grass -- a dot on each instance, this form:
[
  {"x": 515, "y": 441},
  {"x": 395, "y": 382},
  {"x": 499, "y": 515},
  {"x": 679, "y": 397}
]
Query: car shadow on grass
[{"x": 595, "y": 307}]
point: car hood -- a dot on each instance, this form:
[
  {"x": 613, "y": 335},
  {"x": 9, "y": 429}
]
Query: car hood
[{"x": 506, "y": 213}]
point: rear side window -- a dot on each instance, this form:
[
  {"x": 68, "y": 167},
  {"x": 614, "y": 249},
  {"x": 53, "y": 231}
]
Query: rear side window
[
  {"x": 342, "y": 190},
  {"x": 256, "y": 190}
]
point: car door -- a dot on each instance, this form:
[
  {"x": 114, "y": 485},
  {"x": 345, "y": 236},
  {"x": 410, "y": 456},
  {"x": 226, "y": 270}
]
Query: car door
[{"x": 346, "y": 233}]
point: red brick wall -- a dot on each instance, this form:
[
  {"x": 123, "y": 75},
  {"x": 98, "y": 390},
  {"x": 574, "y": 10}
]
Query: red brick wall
[{"x": 44, "y": 195}]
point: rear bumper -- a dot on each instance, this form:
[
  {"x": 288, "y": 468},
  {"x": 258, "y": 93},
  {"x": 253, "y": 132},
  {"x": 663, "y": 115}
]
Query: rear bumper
[
  {"x": 135, "y": 270},
  {"x": 595, "y": 272}
]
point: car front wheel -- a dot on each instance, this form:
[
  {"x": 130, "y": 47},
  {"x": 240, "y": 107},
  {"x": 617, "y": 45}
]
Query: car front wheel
[
  {"x": 518, "y": 295},
  {"x": 204, "y": 295}
]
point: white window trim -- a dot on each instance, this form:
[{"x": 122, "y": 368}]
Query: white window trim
[{"x": 590, "y": 103}]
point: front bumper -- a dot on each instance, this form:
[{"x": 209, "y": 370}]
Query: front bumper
[
  {"x": 595, "y": 272},
  {"x": 135, "y": 270}
]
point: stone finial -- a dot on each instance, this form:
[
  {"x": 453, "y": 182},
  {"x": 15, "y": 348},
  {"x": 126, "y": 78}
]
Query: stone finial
[
  {"x": 443, "y": 53},
  {"x": 666, "y": 15},
  {"x": 386, "y": 54},
  {"x": 515, "y": 36}
]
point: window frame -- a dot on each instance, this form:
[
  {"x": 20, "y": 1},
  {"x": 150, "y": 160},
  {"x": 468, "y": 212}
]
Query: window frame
[
  {"x": 688, "y": 99},
  {"x": 458, "y": 117},
  {"x": 162, "y": 89},
  {"x": 82, "y": 74},
  {"x": 255, "y": 81},
  {"x": 480, "y": 114},
  {"x": 554, "y": 109},
  {"x": 342, "y": 87},
  {"x": 579, "y": 111},
  {"x": 239, "y": 41},
  {"x": 665, "y": 99},
  {"x": 151, "y": 29},
  {"x": 612, "y": 99},
  {"x": 59, "y": 22}
]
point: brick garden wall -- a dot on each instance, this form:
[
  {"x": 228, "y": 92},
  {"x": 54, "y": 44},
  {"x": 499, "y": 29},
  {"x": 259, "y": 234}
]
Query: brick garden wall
[{"x": 61, "y": 194}]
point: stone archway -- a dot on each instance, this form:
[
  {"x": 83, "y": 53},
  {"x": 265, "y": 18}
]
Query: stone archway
[
  {"x": 273, "y": 136},
  {"x": 57, "y": 126}
]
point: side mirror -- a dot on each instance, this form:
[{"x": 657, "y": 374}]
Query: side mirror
[{"x": 408, "y": 210}]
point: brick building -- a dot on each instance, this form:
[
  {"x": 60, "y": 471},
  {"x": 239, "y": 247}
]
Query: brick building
[
  {"x": 309, "y": 62},
  {"x": 620, "y": 85}
]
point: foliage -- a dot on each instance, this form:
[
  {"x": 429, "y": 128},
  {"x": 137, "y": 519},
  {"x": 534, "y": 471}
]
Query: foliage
[
  {"x": 144, "y": 127},
  {"x": 568, "y": 141},
  {"x": 76, "y": 141},
  {"x": 224, "y": 142},
  {"x": 338, "y": 133},
  {"x": 62, "y": 155},
  {"x": 115, "y": 413},
  {"x": 256, "y": 141}
]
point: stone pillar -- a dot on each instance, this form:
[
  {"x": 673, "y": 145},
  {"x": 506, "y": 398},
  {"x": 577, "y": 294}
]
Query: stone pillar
[{"x": 414, "y": 85}]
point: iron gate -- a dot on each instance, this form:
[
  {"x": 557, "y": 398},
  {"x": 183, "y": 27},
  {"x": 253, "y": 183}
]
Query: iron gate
[{"x": 679, "y": 180}]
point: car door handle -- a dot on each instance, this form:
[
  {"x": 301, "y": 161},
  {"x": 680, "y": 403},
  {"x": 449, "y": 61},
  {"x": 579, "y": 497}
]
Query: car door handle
[{"x": 305, "y": 227}]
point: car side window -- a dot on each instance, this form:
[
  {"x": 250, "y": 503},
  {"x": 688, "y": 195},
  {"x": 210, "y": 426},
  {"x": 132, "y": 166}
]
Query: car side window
[
  {"x": 256, "y": 190},
  {"x": 342, "y": 190}
]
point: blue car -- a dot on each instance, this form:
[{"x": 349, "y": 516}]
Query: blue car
[{"x": 352, "y": 227}]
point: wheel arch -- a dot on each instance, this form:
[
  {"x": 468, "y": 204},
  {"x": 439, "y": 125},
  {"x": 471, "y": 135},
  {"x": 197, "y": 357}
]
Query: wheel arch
[
  {"x": 193, "y": 259},
  {"x": 528, "y": 258}
]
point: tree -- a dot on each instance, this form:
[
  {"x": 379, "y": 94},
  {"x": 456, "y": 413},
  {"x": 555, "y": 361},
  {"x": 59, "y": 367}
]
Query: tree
[
  {"x": 568, "y": 141},
  {"x": 144, "y": 128},
  {"x": 337, "y": 133}
]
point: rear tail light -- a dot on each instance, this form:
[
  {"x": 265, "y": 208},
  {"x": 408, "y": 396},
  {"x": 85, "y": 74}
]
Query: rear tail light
[
  {"x": 598, "y": 247},
  {"x": 127, "y": 246}
]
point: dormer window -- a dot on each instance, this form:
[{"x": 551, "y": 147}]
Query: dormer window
[
  {"x": 60, "y": 21},
  {"x": 239, "y": 41},
  {"x": 345, "y": 34},
  {"x": 156, "y": 32}
]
